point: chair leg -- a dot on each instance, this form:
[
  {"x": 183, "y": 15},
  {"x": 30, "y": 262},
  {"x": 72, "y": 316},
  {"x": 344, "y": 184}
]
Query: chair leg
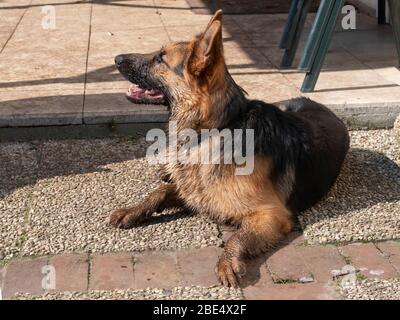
[
  {"x": 293, "y": 37},
  {"x": 316, "y": 34},
  {"x": 290, "y": 25},
  {"x": 381, "y": 11},
  {"x": 312, "y": 76},
  {"x": 394, "y": 7}
]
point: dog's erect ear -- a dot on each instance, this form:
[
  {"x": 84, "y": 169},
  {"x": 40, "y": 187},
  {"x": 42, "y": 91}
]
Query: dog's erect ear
[
  {"x": 217, "y": 17},
  {"x": 208, "y": 47}
]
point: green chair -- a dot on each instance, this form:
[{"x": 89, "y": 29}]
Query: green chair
[
  {"x": 320, "y": 36},
  {"x": 293, "y": 29}
]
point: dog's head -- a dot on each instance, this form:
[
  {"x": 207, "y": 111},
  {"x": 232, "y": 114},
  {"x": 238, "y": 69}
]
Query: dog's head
[{"x": 181, "y": 70}]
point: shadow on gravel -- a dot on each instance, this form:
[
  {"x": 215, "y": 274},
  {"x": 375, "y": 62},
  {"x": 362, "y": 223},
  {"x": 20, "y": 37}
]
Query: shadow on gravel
[
  {"x": 368, "y": 178},
  {"x": 23, "y": 164}
]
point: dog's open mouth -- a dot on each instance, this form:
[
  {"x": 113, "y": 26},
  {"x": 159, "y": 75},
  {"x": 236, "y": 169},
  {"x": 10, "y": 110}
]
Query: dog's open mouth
[{"x": 136, "y": 94}]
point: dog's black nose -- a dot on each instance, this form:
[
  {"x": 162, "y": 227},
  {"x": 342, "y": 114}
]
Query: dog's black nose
[{"x": 119, "y": 59}]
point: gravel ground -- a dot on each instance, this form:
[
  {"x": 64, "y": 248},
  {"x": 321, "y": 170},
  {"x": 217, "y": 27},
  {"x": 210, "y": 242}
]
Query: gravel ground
[
  {"x": 56, "y": 197},
  {"x": 364, "y": 205},
  {"x": 178, "y": 293},
  {"x": 69, "y": 189},
  {"x": 373, "y": 289}
]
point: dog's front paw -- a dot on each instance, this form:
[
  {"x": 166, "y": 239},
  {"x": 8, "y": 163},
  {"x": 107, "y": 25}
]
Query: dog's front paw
[
  {"x": 229, "y": 270},
  {"x": 125, "y": 218}
]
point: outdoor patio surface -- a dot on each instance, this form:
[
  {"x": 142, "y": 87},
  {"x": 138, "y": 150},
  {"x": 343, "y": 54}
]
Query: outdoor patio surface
[
  {"x": 56, "y": 198},
  {"x": 56, "y": 194},
  {"x": 66, "y": 75}
]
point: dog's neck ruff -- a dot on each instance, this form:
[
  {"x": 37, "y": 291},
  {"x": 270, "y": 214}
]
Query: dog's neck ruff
[{"x": 209, "y": 111}]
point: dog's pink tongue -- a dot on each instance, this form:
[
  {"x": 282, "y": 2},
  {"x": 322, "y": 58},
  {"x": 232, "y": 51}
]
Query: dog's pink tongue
[{"x": 135, "y": 91}]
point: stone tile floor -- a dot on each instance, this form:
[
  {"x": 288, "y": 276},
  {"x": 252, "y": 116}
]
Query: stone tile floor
[{"x": 66, "y": 75}]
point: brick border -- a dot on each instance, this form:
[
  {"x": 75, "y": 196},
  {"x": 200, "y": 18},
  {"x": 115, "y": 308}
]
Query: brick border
[{"x": 294, "y": 271}]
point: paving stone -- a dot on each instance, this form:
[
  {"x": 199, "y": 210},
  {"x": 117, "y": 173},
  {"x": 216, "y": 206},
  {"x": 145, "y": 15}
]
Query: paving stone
[
  {"x": 111, "y": 271},
  {"x": 310, "y": 291},
  {"x": 257, "y": 273},
  {"x": 391, "y": 249},
  {"x": 156, "y": 271},
  {"x": 321, "y": 260},
  {"x": 287, "y": 264},
  {"x": 34, "y": 108},
  {"x": 2, "y": 273},
  {"x": 111, "y": 106},
  {"x": 369, "y": 260},
  {"x": 295, "y": 238},
  {"x": 197, "y": 266},
  {"x": 71, "y": 272},
  {"x": 24, "y": 276}
]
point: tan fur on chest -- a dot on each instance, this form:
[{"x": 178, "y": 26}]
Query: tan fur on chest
[{"x": 218, "y": 192}]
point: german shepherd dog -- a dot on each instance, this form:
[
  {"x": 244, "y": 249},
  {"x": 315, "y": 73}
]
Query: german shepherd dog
[{"x": 299, "y": 148}]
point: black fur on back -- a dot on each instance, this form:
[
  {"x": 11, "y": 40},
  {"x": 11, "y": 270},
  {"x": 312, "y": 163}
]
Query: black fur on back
[{"x": 305, "y": 136}]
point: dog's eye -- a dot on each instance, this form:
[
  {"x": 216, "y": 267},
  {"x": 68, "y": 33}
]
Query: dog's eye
[{"x": 159, "y": 57}]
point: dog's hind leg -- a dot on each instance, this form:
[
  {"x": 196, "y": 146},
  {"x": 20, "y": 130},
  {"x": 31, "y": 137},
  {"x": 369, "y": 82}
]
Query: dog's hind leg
[
  {"x": 260, "y": 231},
  {"x": 165, "y": 196}
]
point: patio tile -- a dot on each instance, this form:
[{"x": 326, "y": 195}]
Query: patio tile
[
  {"x": 270, "y": 87},
  {"x": 353, "y": 77},
  {"x": 55, "y": 42},
  {"x": 182, "y": 18},
  {"x": 13, "y": 3},
  {"x": 156, "y": 270},
  {"x": 24, "y": 276},
  {"x": 371, "y": 45},
  {"x": 265, "y": 39},
  {"x": 71, "y": 17},
  {"x": 238, "y": 40},
  {"x": 71, "y": 272},
  {"x": 33, "y": 108},
  {"x": 369, "y": 260},
  {"x": 363, "y": 22},
  {"x": 4, "y": 35},
  {"x": 102, "y": 74},
  {"x": 53, "y": 73},
  {"x": 239, "y": 57},
  {"x": 181, "y": 32},
  {"x": 273, "y": 23},
  {"x": 171, "y": 4},
  {"x": 111, "y": 106},
  {"x": 9, "y": 18},
  {"x": 360, "y": 98},
  {"x": 111, "y": 271},
  {"x": 387, "y": 70},
  {"x": 125, "y": 15},
  {"x": 106, "y": 45}
]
